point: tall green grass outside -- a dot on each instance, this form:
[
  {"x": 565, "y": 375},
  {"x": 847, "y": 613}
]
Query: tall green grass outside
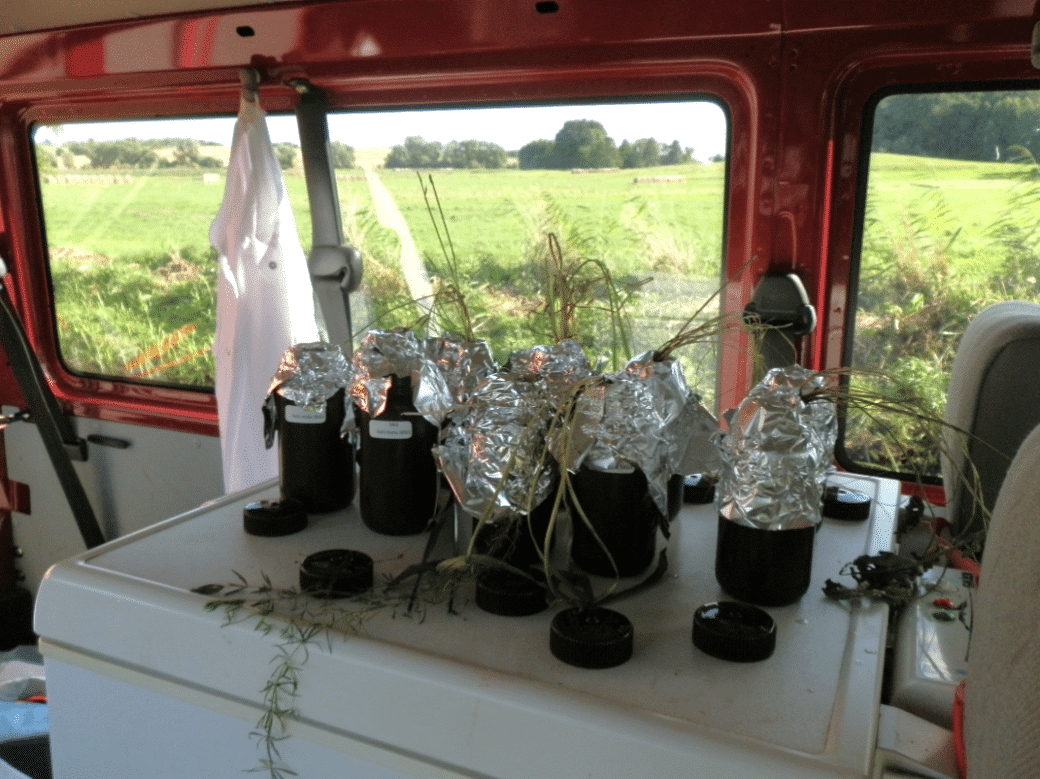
[
  {"x": 942, "y": 240},
  {"x": 115, "y": 244},
  {"x": 134, "y": 274}
]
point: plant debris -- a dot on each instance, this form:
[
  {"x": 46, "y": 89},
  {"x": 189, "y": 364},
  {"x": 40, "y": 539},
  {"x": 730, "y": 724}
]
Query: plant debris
[{"x": 885, "y": 577}]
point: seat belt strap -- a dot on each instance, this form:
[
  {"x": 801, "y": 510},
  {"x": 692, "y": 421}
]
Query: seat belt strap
[{"x": 59, "y": 437}]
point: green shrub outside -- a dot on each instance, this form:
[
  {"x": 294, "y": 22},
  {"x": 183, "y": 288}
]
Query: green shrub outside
[{"x": 923, "y": 278}]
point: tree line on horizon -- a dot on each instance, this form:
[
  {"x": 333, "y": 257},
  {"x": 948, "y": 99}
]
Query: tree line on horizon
[
  {"x": 974, "y": 126},
  {"x": 580, "y": 143},
  {"x": 584, "y": 143},
  {"x": 979, "y": 126},
  {"x": 138, "y": 153}
]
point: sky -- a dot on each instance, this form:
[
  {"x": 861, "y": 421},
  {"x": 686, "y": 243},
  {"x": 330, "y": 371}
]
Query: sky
[{"x": 700, "y": 125}]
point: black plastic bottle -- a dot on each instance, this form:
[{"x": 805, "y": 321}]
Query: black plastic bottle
[
  {"x": 619, "y": 506},
  {"x": 315, "y": 462},
  {"x": 675, "y": 495},
  {"x": 399, "y": 476},
  {"x": 761, "y": 566},
  {"x": 517, "y": 540}
]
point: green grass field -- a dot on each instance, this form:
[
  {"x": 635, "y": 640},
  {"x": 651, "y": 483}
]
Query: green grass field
[
  {"x": 108, "y": 239},
  {"x": 493, "y": 213},
  {"x": 132, "y": 264},
  {"x": 943, "y": 239},
  {"x": 951, "y": 205},
  {"x": 489, "y": 211}
]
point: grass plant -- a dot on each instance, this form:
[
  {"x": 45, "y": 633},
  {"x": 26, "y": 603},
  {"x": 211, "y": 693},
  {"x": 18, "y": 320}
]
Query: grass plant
[
  {"x": 893, "y": 409},
  {"x": 300, "y": 623}
]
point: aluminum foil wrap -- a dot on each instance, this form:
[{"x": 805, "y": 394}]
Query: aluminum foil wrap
[
  {"x": 689, "y": 427},
  {"x": 559, "y": 366},
  {"x": 777, "y": 452},
  {"x": 311, "y": 373},
  {"x": 463, "y": 364},
  {"x": 496, "y": 452},
  {"x": 644, "y": 416},
  {"x": 386, "y": 353}
]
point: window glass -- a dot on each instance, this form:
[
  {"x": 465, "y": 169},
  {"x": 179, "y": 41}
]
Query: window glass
[
  {"x": 478, "y": 196},
  {"x": 949, "y": 228},
  {"x": 127, "y": 208},
  {"x": 445, "y": 205}
]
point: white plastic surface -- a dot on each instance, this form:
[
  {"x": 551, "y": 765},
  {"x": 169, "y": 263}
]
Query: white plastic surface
[
  {"x": 474, "y": 693},
  {"x": 907, "y": 743},
  {"x": 155, "y": 730},
  {"x": 931, "y": 651}
]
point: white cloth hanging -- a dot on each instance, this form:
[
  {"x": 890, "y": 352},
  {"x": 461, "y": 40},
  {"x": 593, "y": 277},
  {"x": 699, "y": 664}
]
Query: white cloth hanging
[{"x": 265, "y": 301}]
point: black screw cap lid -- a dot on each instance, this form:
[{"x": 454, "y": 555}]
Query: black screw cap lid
[
  {"x": 509, "y": 594},
  {"x": 274, "y": 518},
  {"x": 839, "y": 503},
  {"x": 698, "y": 488},
  {"x": 593, "y": 637},
  {"x": 336, "y": 573},
  {"x": 734, "y": 631}
]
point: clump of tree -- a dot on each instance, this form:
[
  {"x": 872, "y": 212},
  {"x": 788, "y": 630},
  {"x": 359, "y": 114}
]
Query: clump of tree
[
  {"x": 49, "y": 158},
  {"x": 644, "y": 153},
  {"x": 474, "y": 154},
  {"x": 675, "y": 154},
  {"x": 584, "y": 143},
  {"x": 168, "y": 153},
  {"x": 188, "y": 154},
  {"x": 979, "y": 126},
  {"x": 286, "y": 154},
  {"x": 648, "y": 153},
  {"x": 416, "y": 152},
  {"x": 535, "y": 155},
  {"x": 341, "y": 155},
  {"x": 289, "y": 155},
  {"x": 128, "y": 153},
  {"x": 140, "y": 153}
]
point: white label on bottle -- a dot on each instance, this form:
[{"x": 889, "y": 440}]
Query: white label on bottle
[
  {"x": 397, "y": 430},
  {"x": 621, "y": 469},
  {"x": 301, "y": 415}
]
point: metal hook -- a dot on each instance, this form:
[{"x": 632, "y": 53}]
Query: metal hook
[{"x": 250, "y": 78}]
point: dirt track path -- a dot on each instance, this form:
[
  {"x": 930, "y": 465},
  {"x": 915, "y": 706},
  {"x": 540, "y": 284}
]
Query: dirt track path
[{"x": 389, "y": 215}]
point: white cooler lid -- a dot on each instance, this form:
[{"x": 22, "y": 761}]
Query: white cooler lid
[{"x": 482, "y": 693}]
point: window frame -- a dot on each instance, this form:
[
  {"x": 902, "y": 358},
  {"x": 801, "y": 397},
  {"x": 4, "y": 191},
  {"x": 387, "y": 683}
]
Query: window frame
[
  {"x": 576, "y": 107},
  {"x": 876, "y": 86},
  {"x": 192, "y": 410}
]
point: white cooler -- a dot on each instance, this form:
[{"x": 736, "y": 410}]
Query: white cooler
[{"x": 143, "y": 681}]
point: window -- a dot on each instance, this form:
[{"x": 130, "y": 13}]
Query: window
[
  {"x": 127, "y": 208},
  {"x": 949, "y": 228},
  {"x": 445, "y": 205}
]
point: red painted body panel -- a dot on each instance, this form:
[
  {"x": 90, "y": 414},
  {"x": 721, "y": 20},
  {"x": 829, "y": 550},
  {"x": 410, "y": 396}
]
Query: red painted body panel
[{"x": 794, "y": 77}]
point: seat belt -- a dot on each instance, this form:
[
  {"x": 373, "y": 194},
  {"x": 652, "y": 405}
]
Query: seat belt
[
  {"x": 335, "y": 267},
  {"x": 780, "y": 304},
  {"x": 56, "y": 430}
]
